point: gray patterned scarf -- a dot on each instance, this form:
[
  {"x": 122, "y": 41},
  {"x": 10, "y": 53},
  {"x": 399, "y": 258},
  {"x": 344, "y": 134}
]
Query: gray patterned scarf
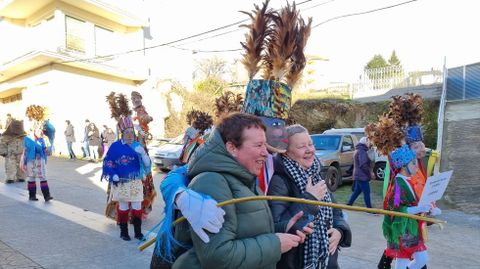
[{"x": 316, "y": 244}]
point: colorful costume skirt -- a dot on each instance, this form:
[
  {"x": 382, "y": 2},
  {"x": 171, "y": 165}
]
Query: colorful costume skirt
[
  {"x": 408, "y": 245},
  {"x": 130, "y": 191},
  {"x": 36, "y": 169}
]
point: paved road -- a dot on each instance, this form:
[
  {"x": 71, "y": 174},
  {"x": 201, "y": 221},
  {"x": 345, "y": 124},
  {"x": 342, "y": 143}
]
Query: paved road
[{"x": 71, "y": 231}]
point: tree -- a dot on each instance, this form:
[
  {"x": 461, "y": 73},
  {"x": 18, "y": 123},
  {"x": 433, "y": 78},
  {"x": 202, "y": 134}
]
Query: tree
[
  {"x": 394, "y": 59},
  {"x": 376, "y": 62},
  {"x": 211, "y": 68},
  {"x": 211, "y": 86}
]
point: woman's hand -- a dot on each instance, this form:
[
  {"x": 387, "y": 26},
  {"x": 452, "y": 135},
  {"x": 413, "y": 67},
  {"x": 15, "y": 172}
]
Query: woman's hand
[
  {"x": 334, "y": 237},
  {"x": 288, "y": 241},
  {"x": 318, "y": 190},
  {"x": 306, "y": 230}
]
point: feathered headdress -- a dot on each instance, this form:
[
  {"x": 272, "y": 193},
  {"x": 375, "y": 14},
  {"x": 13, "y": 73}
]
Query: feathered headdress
[
  {"x": 120, "y": 110},
  {"x": 228, "y": 103},
  {"x": 202, "y": 122},
  {"x": 275, "y": 44},
  {"x": 385, "y": 135},
  {"x": 35, "y": 112}
]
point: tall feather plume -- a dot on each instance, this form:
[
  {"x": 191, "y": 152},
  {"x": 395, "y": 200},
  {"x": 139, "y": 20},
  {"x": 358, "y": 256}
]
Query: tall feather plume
[
  {"x": 298, "y": 57},
  {"x": 123, "y": 106},
  {"x": 282, "y": 41},
  {"x": 228, "y": 103},
  {"x": 385, "y": 134},
  {"x": 255, "y": 38},
  {"x": 113, "y": 106},
  {"x": 35, "y": 112}
]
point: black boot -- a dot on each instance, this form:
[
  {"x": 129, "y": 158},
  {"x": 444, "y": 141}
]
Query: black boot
[
  {"x": 32, "y": 191},
  {"x": 124, "y": 232},
  {"x": 45, "y": 191},
  {"x": 137, "y": 227},
  {"x": 385, "y": 262}
]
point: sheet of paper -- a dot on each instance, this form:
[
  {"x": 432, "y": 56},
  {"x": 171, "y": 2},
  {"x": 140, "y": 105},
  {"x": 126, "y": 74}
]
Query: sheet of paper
[{"x": 435, "y": 187}]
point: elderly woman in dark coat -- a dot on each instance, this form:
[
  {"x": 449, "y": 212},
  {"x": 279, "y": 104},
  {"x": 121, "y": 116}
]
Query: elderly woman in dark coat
[{"x": 297, "y": 174}]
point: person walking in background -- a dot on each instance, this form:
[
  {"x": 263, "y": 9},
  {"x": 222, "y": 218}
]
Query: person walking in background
[
  {"x": 94, "y": 141},
  {"x": 362, "y": 174},
  {"x": 70, "y": 138},
  {"x": 86, "y": 146},
  {"x": 108, "y": 136}
]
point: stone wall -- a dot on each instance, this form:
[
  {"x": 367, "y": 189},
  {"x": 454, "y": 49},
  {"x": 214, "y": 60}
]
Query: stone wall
[{"x": 461, "y": 152}]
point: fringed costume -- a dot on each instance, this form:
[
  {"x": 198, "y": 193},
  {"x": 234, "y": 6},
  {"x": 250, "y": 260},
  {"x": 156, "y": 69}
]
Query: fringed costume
[
  {"x": 143, "y": 136},
  {"x": 124, "y": 166},
  {"x": 35, "y": 154},
  {"x": 396, "y": 134}
]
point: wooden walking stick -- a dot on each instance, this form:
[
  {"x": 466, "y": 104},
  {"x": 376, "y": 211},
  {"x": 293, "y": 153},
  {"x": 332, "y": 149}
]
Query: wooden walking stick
[{"x": 310, "y": 202}]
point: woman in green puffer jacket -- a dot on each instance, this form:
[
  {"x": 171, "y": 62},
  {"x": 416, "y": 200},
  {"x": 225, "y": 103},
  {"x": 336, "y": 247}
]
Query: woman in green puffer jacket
[{"x": 225, "y": 167}]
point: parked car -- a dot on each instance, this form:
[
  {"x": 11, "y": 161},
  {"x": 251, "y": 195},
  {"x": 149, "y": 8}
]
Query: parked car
[
  {"x": 167, "y": 156},
  {"x": 335, "y": 152},
  {"x": 379, "y": 160}
]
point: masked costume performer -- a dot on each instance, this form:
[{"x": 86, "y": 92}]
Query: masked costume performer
[
  {"x": 124, "y": 166},
  {"x": 201, "y": 123},
  {"x": 35, "y": 154},
  {"x": 143, "y": 136},
  {"x": 11, "y": 147},
  {"x": 406, "y": 113}
]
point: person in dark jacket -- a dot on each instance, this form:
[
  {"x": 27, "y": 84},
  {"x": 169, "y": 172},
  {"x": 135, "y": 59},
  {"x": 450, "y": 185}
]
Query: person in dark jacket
[
  {"x": 226, "y": 167},
  {"x": 362, "y": 173},
  {"x": 297, "y": 175}
]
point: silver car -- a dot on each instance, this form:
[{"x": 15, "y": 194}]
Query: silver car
[{"x": 167, "y": 156}]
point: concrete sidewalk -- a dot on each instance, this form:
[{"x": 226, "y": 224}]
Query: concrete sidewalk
[{"x": 56, "y": 235}]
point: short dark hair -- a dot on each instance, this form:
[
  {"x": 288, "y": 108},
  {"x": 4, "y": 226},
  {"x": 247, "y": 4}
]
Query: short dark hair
[
  {"x": 67, "y": 121},
  {"x": 231, "y": 127}
]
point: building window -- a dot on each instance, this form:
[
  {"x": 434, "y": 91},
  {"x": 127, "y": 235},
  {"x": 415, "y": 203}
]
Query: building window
[
  {"x": 76, "y": 34},
  {"x": 103, "y": 39},
  {"x": 11, "y": 98}
]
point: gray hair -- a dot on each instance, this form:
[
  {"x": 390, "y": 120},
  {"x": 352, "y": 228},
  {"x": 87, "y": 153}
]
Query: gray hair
[{"x": 295, "y": 129}]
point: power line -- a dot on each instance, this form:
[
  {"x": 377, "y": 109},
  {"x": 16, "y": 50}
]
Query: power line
[
  {"x": 363, "y": 12},
  {"x": 339, "y": 17},
  {"x": 164, "y": 44},
  {"x": 239, "y": 29}
]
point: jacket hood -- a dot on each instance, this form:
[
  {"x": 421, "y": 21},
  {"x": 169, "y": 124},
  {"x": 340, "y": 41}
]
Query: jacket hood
[
  {"x": 212, "y": 156},
  {"x": 361, "y": 146}
]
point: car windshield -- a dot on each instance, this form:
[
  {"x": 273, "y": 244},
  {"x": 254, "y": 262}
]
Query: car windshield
[
  {"x": 326, "y": 142},
  {"x": 177, "y": 140}
]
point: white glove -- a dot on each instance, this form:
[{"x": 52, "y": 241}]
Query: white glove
[
  {"x": 419, "y": 209},
  {"x": 140, "y": 150},
  {"x": 115, "y": 178},
  {"x": 435, "y": 211},
  {"x": 145, "y": 158},
  {"x": 201, "y": 212}
]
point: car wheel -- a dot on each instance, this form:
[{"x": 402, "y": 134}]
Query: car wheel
[
  {"x": 379, "y": 170},
  {"x": 333, "y": 178}
]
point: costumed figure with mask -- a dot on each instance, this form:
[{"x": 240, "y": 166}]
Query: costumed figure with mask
[
  {"x": 124, "y": 166},
  {"x": 11, "y": 147},
  {"x": 406, "y": 112},
  {"x": 142, "y": 118},
  {"x": 202, "y": 123},
  {"x": 405, "y": 238},
  {"x": 35, "y": 154}
]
